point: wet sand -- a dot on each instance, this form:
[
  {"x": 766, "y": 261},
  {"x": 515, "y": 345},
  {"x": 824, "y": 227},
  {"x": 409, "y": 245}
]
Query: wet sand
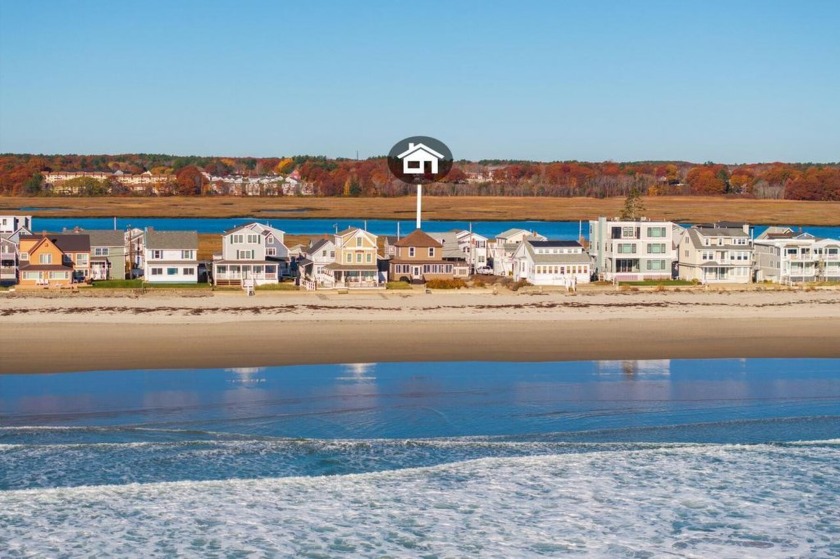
[{"x": 41, "y": 334}]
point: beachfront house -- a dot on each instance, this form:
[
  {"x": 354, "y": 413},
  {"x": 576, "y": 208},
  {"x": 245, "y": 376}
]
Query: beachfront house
[
  {"x": 8, "y": 260},
  {"x": 505, "y": 246},
  {"x": 552, "y": 263},
  {"x": 475, "y": 247},
  {"x": 419, "y": 258},
  {"x": 135, "y": 239},
  {"x": 170, "y": 256},
  {"x": 356, "y": 254},
  {"x": 719, "y": 253},
  {"x": 11, "y": 223},
  {"x": 626, "y": 250},
  {"x": 312, "y": 262},
  {"x": 107, "y": 253},
  {"x": 251, "y": 252},
  {"x": 51, "y": 259},
  {"x": 785, "y": 256},
  {"x": 451, "y": 252}
]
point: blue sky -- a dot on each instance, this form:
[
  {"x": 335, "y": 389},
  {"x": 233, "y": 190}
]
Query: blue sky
[{"x": 726, "y": 81}]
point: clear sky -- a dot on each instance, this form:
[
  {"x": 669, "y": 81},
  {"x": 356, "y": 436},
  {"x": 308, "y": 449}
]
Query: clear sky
[{"x": 726, "y": 81}]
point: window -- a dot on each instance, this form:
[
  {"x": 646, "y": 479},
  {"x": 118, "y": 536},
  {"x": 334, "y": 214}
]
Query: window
[
  {"x": 626, "y": 265},
  {"x": 656, "y": 248},
  {"x": 221, "y": 270},
  {"x": 189, "y": 271},
  {"x": 655, "y": 265},
  {"x": 369, "y": 258},
  {"x": 411, "y": 252},
  {"x": 45, "y": 259},
  {"x": 271, "y": 270},
  {"x": 188, "y": 254},
  {"x": 81, "y": 259},
  {"x": 628, "y": 232},
  {"x": 101, "y": 251},
  {"x": 245, "y": 254},
  {"x": 157, "y": 271},
  {"x": 348, "y": 258},
  {"x": 24, "y": 256},
  {"x": 332, "y": 254},
  {"x": 253, "y": 239},
  {"x": 626, "y": 248},
  {"x": 431, "y": 252},
  {"x": 31, "y": 275},
  {"x": 172, "y": 271},
  {"x": 58, "y": 275},
  {"x": 358, "y": 241},
  {"x": 358, "y": 257},
  {"x": 655, "y": 232},
  {"x": 271, "y": 251},
  {"x": 157, "y": 254},
  {"x": 236, "y": 239}
]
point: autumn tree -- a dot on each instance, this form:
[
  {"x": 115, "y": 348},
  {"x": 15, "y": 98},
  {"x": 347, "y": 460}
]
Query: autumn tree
[
  {"x": 190, "y": 181},
  {"x": 634, "y": 206},
  {"x": 705, "y": 180}
]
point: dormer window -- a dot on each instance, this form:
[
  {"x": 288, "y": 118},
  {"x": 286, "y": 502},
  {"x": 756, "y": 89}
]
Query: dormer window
[{"x": 358, "y": 241}]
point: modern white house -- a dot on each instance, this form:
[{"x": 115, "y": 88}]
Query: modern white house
[
  {"x": 719, "y": 253},
  {"x": 11, "y": 223},
  {"x": 624, "y": 250},
  {"x": 785, "y": 256},
  {"x": 251, "y": 252},
  {"x": 505, "y": 246},
  {"x": 417, "y": 156},
  {"x": 558, "y": 263},
  {"x": 171, "y": 256}
]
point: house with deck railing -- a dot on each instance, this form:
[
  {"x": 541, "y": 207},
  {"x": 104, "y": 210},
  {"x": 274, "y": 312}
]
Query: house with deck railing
[{"x": 251, "y": 252}]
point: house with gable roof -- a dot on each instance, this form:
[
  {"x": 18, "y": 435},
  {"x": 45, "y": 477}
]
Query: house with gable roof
[
  {"x": 170, "y": 256},
  {"x": 8, "y": 260},
  {"x": 560, "y": 263},
  {"x": 505, "y": 246},
  {"x": 251, "y": 252},
  {"x": 51, "y": 259},
  {"x": 719, "y": 253},
  {"x": 419, "y": 258},
  {"x": 356, "y": 257},
  {"x": 313, "y": 259}
]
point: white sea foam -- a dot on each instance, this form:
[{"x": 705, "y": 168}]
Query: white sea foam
[{"x": 689, "y": 501}]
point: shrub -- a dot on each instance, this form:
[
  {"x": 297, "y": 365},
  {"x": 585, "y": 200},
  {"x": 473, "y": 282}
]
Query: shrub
[
  {"x": 455, "y": 283},
  {"x": 517, "y": 285},
  {"x": 397, "y": 285}
]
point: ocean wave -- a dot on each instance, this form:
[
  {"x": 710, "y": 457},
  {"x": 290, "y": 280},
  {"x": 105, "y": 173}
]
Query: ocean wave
[{"x": 686, "y": 500}]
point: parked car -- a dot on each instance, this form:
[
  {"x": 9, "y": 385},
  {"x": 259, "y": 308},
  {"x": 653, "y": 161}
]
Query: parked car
[{"x": 484, "y": 270}]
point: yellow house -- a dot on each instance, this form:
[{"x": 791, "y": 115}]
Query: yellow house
[
  {"x": 43, "y": 263},
  {"x": 355, "y": 259}
]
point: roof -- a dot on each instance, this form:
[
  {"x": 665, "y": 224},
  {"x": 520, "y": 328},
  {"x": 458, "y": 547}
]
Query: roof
[
  {"x": 694, "y": 235},
  {"x": 45, "y": 268},
  {"x": 178, "y": 240},
  {"x": 449, "y": 240},
  {"x": 418, "y": 238},
  {"x": 712, "y": 231},
  {"x": 66, "y": 242},
  {"x": 317, "y": 246},
  {"x": 511, "y": 232},
  {"x": 350, "y": 267},
  {"x": 555, "y": 244},
  {"x": 105, "y": 237},
  {"x": 576, "y": 258}
]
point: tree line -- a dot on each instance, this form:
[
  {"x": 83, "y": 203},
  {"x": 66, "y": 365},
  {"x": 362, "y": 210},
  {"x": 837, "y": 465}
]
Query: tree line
[{"x": 22, "y": 174}]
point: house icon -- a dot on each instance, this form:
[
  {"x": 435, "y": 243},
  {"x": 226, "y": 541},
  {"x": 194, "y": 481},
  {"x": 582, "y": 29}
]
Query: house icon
[{"x": 415, "y": 158}]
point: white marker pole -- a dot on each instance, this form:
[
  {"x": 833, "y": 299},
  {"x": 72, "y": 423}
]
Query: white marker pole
[{"x": 419, "y": 203}]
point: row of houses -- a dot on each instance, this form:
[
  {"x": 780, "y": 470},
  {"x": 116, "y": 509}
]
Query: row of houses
[{"x": 256, "y": 254}]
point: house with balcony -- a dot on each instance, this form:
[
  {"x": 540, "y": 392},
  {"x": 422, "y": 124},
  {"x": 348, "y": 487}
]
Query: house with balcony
[
  {"x": 313, "y": 261},
  {"x": 108, "y": 253},
  {"x": 170, "y": 256},
  {"x": 475, "y": 247},
  {"x": 8, "y": 260},
  {"x": 251, "y": 252},
  {"x": 419, "y": 258},
  {"x": 356, "y": 256},
  {"x": 785, "y": 256},
  {"x": 626, "y": 250},
  {"x": 718, "y": 253},
  {"x": 552, "y": 263},
  {"x": 51, "y": 259},
  {"x": 505, "y": 246}
]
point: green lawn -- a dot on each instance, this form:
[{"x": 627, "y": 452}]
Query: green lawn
[{"x": 287, "y": 286}]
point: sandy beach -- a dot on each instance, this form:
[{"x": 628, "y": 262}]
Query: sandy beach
[{"x": 41, "y": 333}]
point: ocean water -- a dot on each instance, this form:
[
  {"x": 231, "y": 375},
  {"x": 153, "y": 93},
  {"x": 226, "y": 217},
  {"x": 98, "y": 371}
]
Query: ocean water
[{"x": 682, "y": 458}]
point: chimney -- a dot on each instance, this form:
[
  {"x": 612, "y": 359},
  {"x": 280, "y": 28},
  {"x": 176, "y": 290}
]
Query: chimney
[{"x": 411, "y": 146}]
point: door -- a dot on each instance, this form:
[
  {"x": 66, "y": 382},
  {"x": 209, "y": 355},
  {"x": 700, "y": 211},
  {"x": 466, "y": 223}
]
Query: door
[{"x": 415, "y": 272}]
